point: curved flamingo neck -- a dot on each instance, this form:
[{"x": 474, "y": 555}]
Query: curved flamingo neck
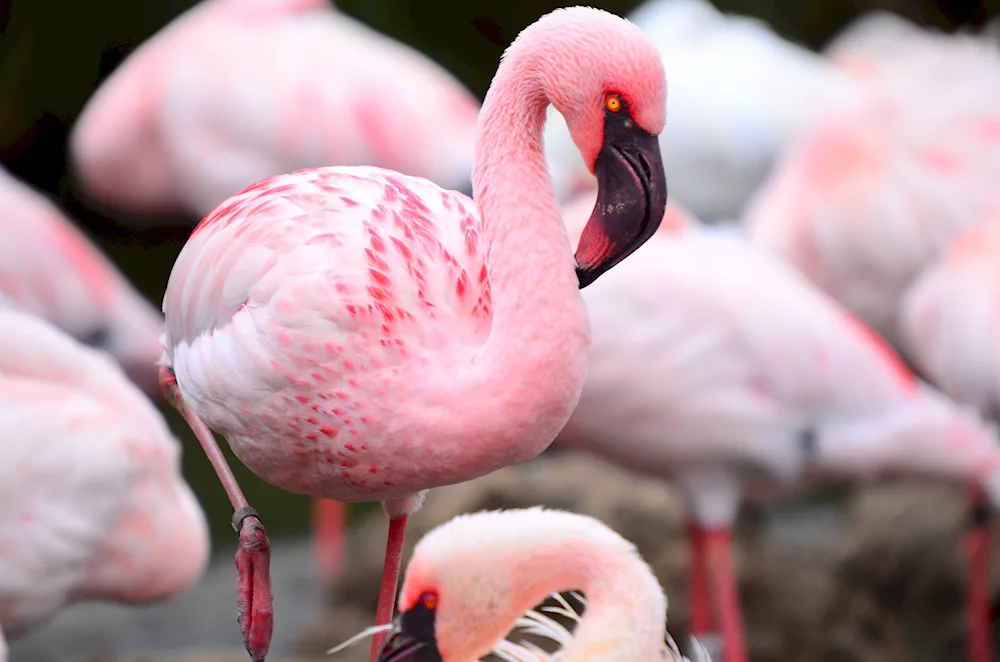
[
  {"x": 529, "y": 372},
  {"x": 626, "y": 608}
]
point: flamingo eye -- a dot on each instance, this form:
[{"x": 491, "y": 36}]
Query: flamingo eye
[
  {"x": 429, "y": 601},
  {"x": 613, "y": 103}
]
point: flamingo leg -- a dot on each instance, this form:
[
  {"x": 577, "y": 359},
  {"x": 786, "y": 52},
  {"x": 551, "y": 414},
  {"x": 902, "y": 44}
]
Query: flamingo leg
[
  {"x": 328, "y": 523},
  {"x": 720, "y": 558},
  {"x": 253, "y": 559},
  {"x": 390, "y": 578},
  {"x": 977, "y": 547},
  {"x": 701, "y": 611}
]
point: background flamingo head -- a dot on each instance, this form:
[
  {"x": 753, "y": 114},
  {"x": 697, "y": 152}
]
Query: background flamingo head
[{"x": 470, "y": 580}]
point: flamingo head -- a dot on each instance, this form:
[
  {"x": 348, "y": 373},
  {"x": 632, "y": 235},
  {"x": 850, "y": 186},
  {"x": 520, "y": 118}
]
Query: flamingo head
[
  {"x": 471, "y": 580},
  {"x": 605, "y": 77},
  {"x": 461, "y": 595}
]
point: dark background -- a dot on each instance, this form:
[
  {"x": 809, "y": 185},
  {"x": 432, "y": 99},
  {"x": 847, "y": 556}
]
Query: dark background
[{"x": 54, "y": 54}]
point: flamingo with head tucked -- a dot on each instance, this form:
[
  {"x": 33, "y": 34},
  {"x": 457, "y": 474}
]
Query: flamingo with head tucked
[
  {"x": 721, "y": 368},
  {"x": 234, "y": 91},
  {"x": 358, "y": 334},
  {"x": 92, "y": 502},
  {"x": 477, "y": 577},
  {"x": 49, "y": 268}
]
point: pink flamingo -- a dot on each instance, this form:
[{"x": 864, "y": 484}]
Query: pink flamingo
[
  {"x": 723, "y": 369},
  {"x": 358, "y": 334},
  {"x": 234, "y": 91},
  {"x": 948, "y": 322},
  {"x": 474, "y": 579},
  {"x": 49, "y": 268},
  {"x": 92, "y": 502}
]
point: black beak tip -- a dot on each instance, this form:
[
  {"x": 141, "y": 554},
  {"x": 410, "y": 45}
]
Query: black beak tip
[{"x": 585, "y": 277}]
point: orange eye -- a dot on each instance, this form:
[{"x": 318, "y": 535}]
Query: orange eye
[
  {"x": 613, "y": 103},
  {"x": 429, "y": 601}
]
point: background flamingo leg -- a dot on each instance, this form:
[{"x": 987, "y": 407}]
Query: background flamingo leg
[
  {"x": 720, "y": 557},
  {"x": 703, "y": 626},
  {"x": 977, "y": 548},
  {"x": 329, "y": 526},
  {"x": 253, "y": 559},
  {"x": 390, "y": 578}
]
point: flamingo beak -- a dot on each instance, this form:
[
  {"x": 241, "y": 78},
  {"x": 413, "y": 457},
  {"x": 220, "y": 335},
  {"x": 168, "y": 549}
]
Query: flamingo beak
[
  {"x": 631, "y": 197},
  {"x": 411, "y": 638}
]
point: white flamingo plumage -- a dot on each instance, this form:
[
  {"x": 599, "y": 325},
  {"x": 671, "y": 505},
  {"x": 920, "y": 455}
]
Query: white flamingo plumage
[
  {"x": 234, "y": 91},
  {"x": 92, "y": 502}
]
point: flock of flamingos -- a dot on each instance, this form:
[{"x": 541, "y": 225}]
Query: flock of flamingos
[{"x": 819, "y": 301}]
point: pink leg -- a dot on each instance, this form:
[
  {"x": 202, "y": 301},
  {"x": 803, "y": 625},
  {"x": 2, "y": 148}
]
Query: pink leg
[
  {"x": 720, "y": 558},
  {"x": 390, "y": 578},
  {"x": 977, "y": 547},
  {"x": 701, "y": 610},
  {"x": 328, "y": 524},
  {"x": 253, "y": 559}
]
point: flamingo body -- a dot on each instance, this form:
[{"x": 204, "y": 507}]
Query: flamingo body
[
  {"x": 92, "y": 502},
  {"x": 235, "y": 91},
  {"x": 754, "y": 368},
  {"x": 949, "y": 318},
  {"x": 319, "y": 306},
  {"x": 51, "y": 269}
]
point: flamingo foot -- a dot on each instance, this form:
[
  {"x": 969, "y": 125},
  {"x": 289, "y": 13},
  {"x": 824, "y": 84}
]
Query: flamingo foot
[
  {"x": 390, "y": 579},
  {"x": 253, "y": 585}
]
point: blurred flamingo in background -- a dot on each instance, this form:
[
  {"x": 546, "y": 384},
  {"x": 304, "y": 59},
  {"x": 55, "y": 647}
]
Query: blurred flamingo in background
[
  {"x": 475, "y": 578},
  {"x": 50, "y": 268},
  {"x": 874, "y": 195},
  {"x": 92, "y": 502},
  {"x": 360, "y": 335},
  {"x": 879, "y": 45},
  {"x": 950, "y": 316},
  {"x": 720, "y": 367},
  {"x": 949, "y": 326},
  {"x": 234, "y": 91},
  {"x": 740, "y": 95}
]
